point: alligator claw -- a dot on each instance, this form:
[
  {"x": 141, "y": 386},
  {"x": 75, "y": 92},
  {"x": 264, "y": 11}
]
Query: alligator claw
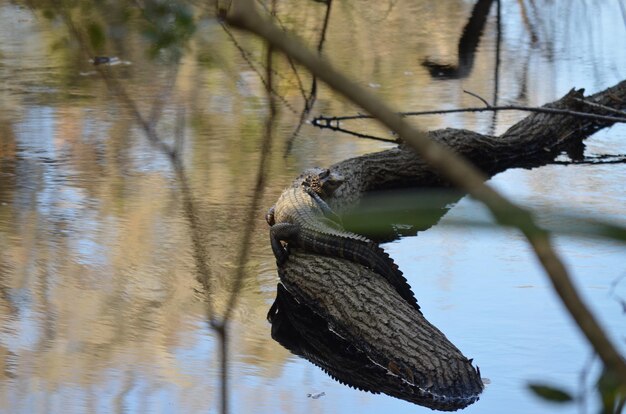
[
  {"x": 269, "y": 217},
  {"x": 282, "y": 257}
]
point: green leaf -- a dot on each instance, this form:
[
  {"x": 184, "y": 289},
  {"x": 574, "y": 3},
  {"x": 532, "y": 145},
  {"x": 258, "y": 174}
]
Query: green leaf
[
  {"x": 610, "y": 393},
  {"x": 550, "y": 393}
]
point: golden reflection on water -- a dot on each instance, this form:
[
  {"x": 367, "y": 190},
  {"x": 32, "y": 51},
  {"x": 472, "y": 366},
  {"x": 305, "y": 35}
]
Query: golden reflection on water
[{"x": 99, "y": 304}]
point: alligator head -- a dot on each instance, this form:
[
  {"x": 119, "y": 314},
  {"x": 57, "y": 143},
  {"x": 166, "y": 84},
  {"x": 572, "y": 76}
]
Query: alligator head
[{"x": 321, "y": 180}]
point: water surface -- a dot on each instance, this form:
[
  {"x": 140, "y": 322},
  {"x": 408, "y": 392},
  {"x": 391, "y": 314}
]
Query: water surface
[{"x": 99, "y": 306}]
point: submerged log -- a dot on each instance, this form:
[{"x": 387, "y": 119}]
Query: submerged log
[{"x": 358, "y": 329}]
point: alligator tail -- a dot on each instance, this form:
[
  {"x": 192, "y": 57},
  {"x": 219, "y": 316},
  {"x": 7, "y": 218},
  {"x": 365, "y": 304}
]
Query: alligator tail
[
  {"x": 359, "y": 250},
  {"x": 385, "y": 266}
]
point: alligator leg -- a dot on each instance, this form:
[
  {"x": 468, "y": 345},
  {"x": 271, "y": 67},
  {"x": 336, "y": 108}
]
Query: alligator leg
[
  {"x": 328, "y": 212},
  {"x": 269, "y": 217},
  {"x": 286, "y": 232},
  {"x": 271, "y": 314}
]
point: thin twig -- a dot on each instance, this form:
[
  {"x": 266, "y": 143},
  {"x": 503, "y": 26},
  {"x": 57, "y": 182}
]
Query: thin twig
[
  {"x": 612, "y": 294},
  {"x": 496, "y": 68},
  {"x": 582, "y": 383},
  {"x": 221, "y": 330},
  {"x": 294, "y": 69},
  {"x": 337, "y": 128},
  {"x": 312, "y": 97},
  {"x": 246, "y": 56},
  {"x": 615, "y": 283},
  {"x": 599, "y": 106},
  {"x": 556, "y": 111},
  {"x": 289, "y": 60},
  {"x": 166, "y": 92},
  {"x": 251, "y": 218},
  {"x": 480, "y": 98},
  {"x": 204, "y": 274}
]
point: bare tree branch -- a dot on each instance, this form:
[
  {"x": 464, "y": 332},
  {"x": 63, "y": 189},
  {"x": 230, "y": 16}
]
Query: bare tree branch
[
  {"x": 328, "y": 123},
  {"x": 265, "y": 81},
  {"x": 334, "y": 123},
  {"x": 557, "y": 111},
  {"x": 602, "y": 107},
  {"x": 480, "y": 98},
  {"x": 249, "y": 224}
]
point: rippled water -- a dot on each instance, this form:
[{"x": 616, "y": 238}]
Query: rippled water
[{"x": 100, "y": 310}]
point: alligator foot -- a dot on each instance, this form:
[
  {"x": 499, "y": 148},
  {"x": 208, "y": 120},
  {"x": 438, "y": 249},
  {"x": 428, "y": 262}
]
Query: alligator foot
[
  {"x": 282, "y": 257},
  {"x": 286, "y": 232},
  {"x": 269, "y": 217}
]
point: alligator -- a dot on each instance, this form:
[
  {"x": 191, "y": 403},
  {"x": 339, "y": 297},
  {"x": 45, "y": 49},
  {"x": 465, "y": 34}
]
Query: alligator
[{"x": 302, "y": 219}]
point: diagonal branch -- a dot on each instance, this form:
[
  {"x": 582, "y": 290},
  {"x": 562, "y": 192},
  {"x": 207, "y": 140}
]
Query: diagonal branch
[
  {"x": 261, "y": 178},
  {"x": 203, "y": 270},
  {"x": 459, "y": 171}
]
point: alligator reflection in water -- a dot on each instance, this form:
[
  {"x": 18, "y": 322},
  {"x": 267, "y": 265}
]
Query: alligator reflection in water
[{"x": 414, "y": 363}]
